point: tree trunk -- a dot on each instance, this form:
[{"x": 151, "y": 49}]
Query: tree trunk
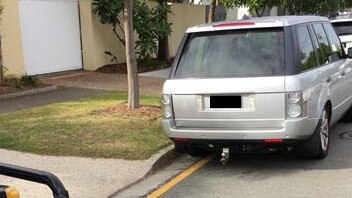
[
  {"x": 2, "y": 70},
  {"x": 260, "y": 13},
  {"x": 132, "y": 73},
  {"x": 2, "y": 76},
  {"x": 163, "y": 42},
  {"x": 163, "y": 49},
  {"x": 212, "y": 11}
]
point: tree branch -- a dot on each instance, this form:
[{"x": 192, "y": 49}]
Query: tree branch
[
  {"x": 257, "y": 13},
  {"x": 119, "y": 18},
  {"x": 122, "y": 30},
  {"x": 264, "y": 6},
  {"x": 118, "y": 36}
]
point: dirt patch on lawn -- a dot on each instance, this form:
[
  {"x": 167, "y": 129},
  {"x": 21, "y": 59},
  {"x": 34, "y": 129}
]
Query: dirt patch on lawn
[{"x": 122, "y": 111}]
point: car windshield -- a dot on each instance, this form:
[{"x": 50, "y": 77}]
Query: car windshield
[
  {"x": 233, "y": 53},
  {"x": 343, "y": 28}
]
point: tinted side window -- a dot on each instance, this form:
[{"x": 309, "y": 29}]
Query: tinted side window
[
  {"x": 324, "y": 47},
  {"x": 306, "y": 50},
  {"x": 335, "y": 44},
  {"x": 343, "y": 28}
]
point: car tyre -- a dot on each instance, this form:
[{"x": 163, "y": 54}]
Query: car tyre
[{"x": 317, "y": 146}]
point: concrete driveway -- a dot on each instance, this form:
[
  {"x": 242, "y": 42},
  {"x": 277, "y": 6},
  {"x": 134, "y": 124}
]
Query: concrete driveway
[
  {"x": 273, "y": 175},
  {"x": 149, "y": 83},
  {"x": 163, "y": 73}
]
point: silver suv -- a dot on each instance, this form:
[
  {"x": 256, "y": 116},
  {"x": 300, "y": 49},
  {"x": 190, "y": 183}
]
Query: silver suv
[
  {"x": 263, "y": 83},
  {"x": 343, "y": 28}
]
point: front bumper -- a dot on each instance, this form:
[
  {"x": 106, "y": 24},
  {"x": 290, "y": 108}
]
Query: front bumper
[{"x": 297, "y": 129}]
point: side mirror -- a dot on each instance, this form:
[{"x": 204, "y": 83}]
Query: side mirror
[{"x": 349, "y": 52}]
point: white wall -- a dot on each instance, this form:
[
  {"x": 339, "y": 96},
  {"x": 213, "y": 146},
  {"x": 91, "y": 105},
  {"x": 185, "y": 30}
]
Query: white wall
[{"x": 236, "y": 13}]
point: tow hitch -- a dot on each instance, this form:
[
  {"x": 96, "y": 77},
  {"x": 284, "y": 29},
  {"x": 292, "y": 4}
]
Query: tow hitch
[{"x": 225, "y": 155}]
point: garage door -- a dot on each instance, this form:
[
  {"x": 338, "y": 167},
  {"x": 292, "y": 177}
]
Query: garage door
[{"x": 50, "y": 35}]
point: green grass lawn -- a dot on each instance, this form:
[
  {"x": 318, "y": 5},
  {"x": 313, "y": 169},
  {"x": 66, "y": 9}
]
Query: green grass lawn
[{"x": 76, "y": 128}]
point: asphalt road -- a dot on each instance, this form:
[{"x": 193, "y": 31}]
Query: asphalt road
[
  {"x": 274, "y": 175},
  {"x": 59, "y": 95}
]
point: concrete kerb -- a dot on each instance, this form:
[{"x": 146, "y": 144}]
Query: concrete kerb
[
  {"x": 27, "y": 92},
  {"x": 167, "y": 156},
  {"x": 164, "y": 160}
]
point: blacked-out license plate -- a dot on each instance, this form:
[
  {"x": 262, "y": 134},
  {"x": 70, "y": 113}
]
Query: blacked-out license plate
[{"x": 223, "y": 102}]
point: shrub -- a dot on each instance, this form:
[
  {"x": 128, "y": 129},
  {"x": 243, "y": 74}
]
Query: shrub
[{"x": 27, "y": 81}]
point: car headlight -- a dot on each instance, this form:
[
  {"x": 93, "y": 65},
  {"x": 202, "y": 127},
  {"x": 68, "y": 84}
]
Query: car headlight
[{"x": 167, "y": 106}]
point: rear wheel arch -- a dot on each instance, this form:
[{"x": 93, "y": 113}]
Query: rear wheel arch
[
  {"x": 323, "y": 101},
  {"x": 317, "y": 146}
]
